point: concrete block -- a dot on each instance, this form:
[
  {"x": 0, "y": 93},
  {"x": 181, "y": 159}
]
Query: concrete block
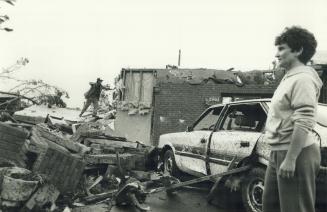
[{"x": 46, "y": 193}]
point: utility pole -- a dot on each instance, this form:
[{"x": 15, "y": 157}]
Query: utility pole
[{"x": 179, "y": 58}]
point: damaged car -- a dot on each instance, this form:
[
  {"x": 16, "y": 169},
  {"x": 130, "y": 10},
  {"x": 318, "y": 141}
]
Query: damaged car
[{"x": 228, "y": 136}]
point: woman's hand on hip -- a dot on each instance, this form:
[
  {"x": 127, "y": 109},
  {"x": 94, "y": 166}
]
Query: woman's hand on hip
[{"x": 287, "y": 168}]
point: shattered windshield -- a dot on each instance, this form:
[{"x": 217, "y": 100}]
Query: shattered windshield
[{"x": 208, "y": 121}]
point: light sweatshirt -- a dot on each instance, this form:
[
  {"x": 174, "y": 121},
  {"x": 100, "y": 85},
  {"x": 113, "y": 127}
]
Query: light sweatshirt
[{"x": 293, "y": 103}]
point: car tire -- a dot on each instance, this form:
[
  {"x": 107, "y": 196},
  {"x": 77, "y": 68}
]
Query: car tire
[
  {"x": 252, "y": 190},
  {"x": 169, "y": 164}
]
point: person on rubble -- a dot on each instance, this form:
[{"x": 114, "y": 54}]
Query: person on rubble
[
  {"x": 295, "y": 154},
  {"x": 92, "y": 96}
]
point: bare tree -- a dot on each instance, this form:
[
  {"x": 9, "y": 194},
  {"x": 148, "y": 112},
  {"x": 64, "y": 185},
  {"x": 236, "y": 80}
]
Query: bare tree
[
  {"x": 4, "y": 18},
  {"x": 34, "y": 90}
]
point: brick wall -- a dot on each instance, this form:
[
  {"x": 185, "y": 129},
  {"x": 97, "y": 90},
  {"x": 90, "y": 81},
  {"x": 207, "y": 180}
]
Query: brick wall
[{"x": 178, "y": 105}]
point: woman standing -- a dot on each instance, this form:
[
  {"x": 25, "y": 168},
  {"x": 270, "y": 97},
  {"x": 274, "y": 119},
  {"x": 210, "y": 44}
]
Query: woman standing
[{"x": 295, "y": 154}]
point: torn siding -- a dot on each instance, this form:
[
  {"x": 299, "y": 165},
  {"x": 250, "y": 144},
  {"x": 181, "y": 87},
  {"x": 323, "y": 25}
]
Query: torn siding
[{"x": 194, "y": 76}]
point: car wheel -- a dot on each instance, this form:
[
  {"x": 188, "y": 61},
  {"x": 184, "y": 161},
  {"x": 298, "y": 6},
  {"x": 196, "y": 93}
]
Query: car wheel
[
  {"x": 252, "y": 190},
  {"x": 170, "y": 164}
]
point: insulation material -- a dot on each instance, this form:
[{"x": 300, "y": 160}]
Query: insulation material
[
  {"x": 139, "y": 89},
  {"x": 147, "y": 89},
  {"x": 132, "y": 83}
]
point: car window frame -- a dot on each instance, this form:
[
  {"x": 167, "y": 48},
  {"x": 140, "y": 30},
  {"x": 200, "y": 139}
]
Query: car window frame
[
  {"x": 223, "y": 116},
  {"x": 205, "y": 113}
]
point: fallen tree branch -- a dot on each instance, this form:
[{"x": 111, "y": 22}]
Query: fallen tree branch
[
  {"x": 21, "y": 125},
  {"x": 18, "y": 96}
]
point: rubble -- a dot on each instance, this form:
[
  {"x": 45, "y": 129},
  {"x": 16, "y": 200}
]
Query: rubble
[
  {"x": 77, "y": 165},
  {"x": 51, "y": 163},
  {"x": 17, "y": 185},
  {"x": 45, "y": 194}
]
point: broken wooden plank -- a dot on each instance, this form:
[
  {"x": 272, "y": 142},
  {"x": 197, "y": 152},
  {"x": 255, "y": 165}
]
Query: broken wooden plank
[
  {"x": 108, "y": 158},
  {"x": 99, "y": 197},
  {"x": 144, "y": 176},
  {"x": 29, "y": 126},
  {"x": 198, "y": 180},
  {"x": 111, "y": 143},
  {"x": 68, "y": 144},
  {"x": 103, "y": 207}
]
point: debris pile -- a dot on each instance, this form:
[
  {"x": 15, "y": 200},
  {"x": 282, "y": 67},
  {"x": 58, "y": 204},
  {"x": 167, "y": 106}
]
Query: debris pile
[{"x": 71, "y": 166}]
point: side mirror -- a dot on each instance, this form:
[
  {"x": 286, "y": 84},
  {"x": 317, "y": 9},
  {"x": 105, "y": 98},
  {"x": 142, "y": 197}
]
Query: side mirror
[{"x": 189, "y": 129}]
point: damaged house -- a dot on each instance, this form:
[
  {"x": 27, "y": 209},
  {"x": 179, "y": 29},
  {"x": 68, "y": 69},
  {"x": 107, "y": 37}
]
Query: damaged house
[{"x": 151, "y": 102}]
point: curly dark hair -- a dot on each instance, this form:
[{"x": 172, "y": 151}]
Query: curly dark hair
[{"x": 296, "y": 38}]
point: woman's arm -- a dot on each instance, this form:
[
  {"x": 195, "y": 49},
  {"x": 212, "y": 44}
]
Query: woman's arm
[{"x": 304, "y": 103}]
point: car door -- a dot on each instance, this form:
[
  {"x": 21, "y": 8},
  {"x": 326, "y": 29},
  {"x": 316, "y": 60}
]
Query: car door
[
  {"x": 191, "y": 153},
  {"x": 236, "y": 135}
]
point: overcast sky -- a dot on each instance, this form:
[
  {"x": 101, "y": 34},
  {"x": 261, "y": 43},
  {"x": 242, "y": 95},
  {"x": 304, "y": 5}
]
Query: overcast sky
[{"x": 70, "y": 43}]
